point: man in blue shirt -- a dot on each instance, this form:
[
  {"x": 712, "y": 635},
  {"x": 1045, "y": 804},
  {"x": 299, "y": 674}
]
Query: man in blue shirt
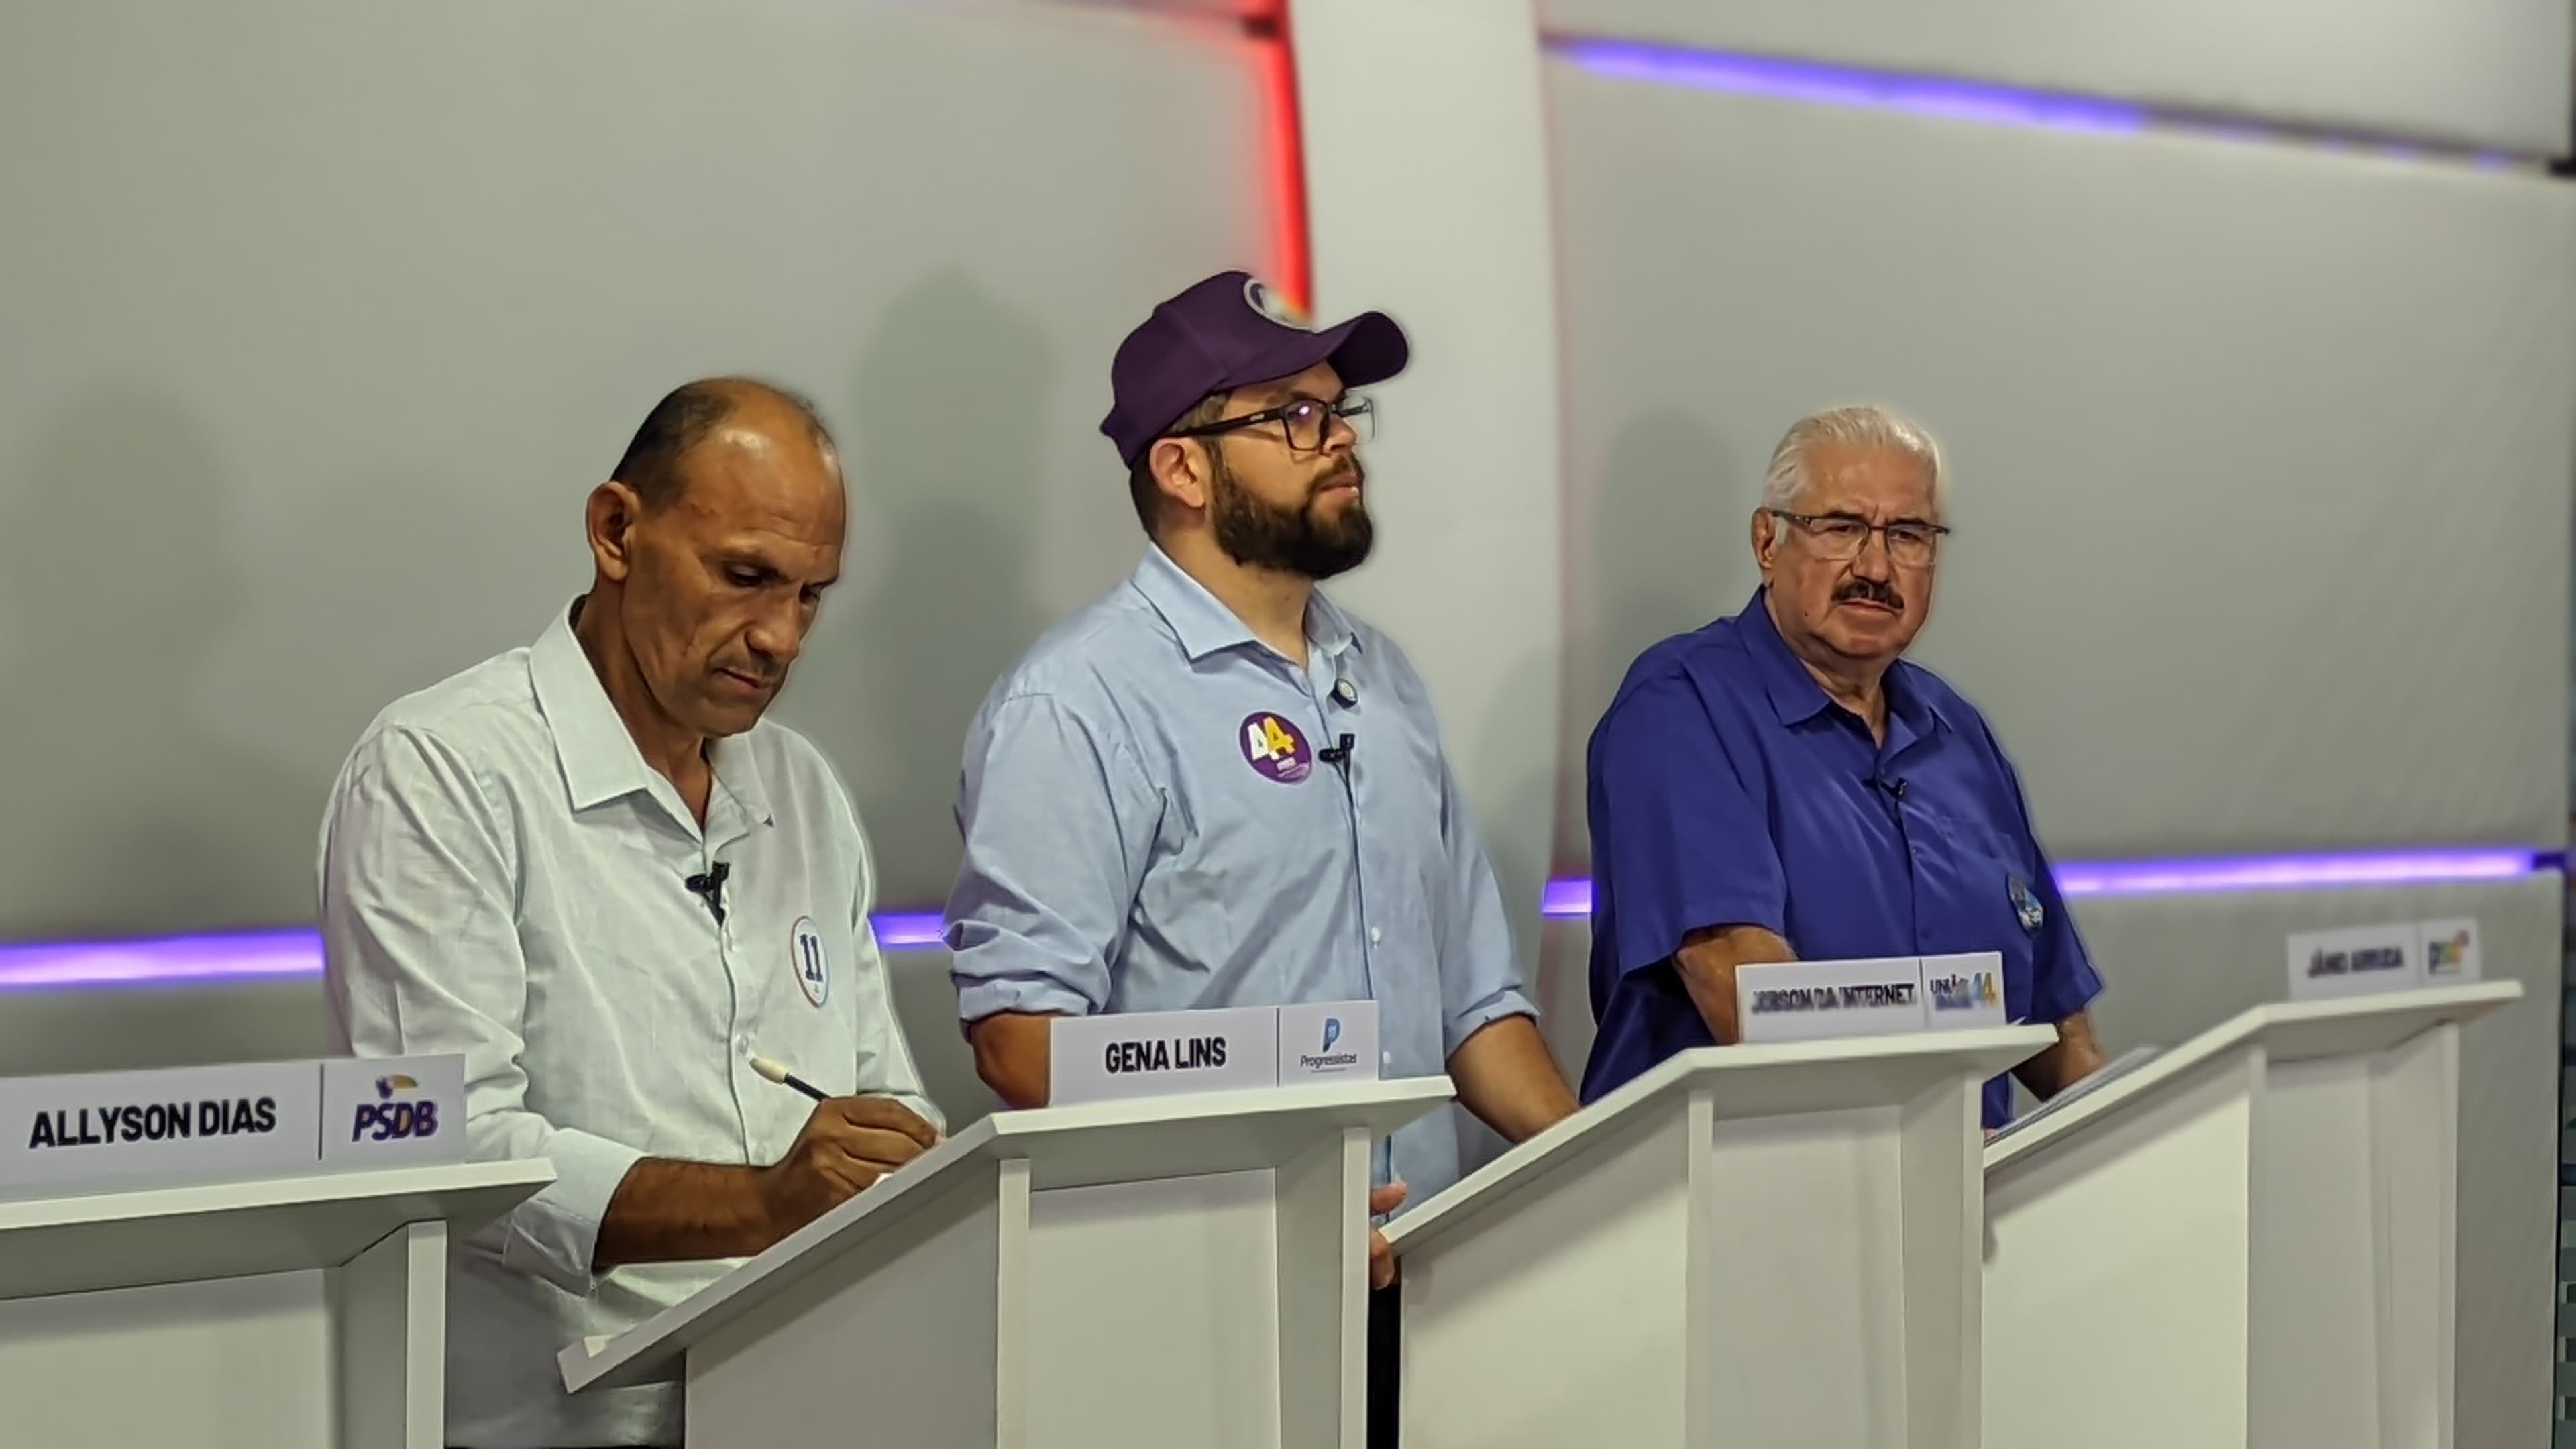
[
  {"x": 1215, "y": 788},
  {"x": 1781, "y": 785}
]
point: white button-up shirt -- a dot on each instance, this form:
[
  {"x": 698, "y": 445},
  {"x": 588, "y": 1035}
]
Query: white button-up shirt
[{"x": 503, "y": 876}]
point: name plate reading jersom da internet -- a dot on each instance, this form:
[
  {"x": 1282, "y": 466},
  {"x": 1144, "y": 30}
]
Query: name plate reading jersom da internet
[
  {"x": 1161, "y": 1053},
  {"x": 1810, "y": 1000}
]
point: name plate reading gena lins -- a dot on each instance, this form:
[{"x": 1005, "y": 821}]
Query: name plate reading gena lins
[{"x": 1161, "y": 1054}]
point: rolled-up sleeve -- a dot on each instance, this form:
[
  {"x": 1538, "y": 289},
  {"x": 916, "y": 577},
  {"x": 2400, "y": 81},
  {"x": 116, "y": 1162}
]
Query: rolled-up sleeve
[
  {"x": 1480, "y": 980},
  {"x": 422, "y": 957},
  {"x": 885, "y": 1063},
  {"x": 1680, "y": 838},
  {"x": 1057, "y": 824}
]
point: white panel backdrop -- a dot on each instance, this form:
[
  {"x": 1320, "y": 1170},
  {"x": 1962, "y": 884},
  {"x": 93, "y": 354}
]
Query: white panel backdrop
[
  {"x": 2262, "y": 453},
  {"x": 1427, "y": 191},
  {"x": 322, "y": 319}
]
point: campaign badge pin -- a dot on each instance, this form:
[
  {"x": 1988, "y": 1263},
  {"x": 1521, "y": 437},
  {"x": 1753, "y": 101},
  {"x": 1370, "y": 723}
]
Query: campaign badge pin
[
  {"x": 811, "y": 963},
  {"x": 2026, "y": 905},
  {"x": 1276, "y": 749}
]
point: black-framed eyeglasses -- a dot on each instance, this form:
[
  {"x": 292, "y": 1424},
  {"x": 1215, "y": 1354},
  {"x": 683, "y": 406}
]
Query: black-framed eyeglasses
[
  {"x": 1839, "y": 537},
  {"x": 1304, "y": 421}
]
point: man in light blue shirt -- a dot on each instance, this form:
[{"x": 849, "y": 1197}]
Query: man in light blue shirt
[{"x": 1215, "y": 788}]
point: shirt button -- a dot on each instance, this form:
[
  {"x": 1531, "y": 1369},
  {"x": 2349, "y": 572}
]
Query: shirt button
[
  {"x": 1376, "y": 935},
  {"x": 1386, "y": 1059}
]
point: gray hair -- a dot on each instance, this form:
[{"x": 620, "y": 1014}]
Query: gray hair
[{"x": 1861, "y": 426}]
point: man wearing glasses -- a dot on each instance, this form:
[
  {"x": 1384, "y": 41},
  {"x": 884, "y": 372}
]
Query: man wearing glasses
[
  {"x": 1782, "y": 785},
  {"x": 1214, "y": 787}
]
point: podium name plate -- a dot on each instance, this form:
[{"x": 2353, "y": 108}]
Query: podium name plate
[
  {"x": 247, "y": 1120},
  {"x": 1885, "y": 996},
  {"x": 2451, "y": 952},
  {"x": 244, "y": 1120},
  {"x": 1323, "y": 1041},
  {"x": 2399, "y": 956},
  {"x": 1163, "y": 1053},
  {"x": 1158, "y": 1053},
  {"x": 1805, "y": 1000},
  {"x": 1963, "y": 993},
  {"x": 393, "y": 1110}
]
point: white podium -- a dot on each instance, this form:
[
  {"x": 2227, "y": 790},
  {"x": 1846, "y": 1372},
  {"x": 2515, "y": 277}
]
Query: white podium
[
  {"x": 2247, "y": 1243},
  {"x": 1163, "y": 1273},
  {"x": 1756, "y": 1246},
  {"x": 306, "y": 1312}
]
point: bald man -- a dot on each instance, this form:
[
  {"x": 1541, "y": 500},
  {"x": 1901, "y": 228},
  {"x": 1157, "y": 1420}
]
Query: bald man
[{"x": 595, "y": 870}]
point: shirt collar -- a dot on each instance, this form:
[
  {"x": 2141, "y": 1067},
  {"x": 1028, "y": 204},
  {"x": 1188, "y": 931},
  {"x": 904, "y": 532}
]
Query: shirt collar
[
  {"x": 1795, "y": 695},
  {"x": 595, "y": 751},
  {"x": 1205, "y": 626}
]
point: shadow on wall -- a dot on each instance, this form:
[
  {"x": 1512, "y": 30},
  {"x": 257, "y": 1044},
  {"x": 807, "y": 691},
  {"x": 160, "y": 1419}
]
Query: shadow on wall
[
  {"x": 948, "y": 406},
  {"x": 114, "y": 572},
  {"x": 1664, "y": 551},
  {"x": 1658, "y": 548}
]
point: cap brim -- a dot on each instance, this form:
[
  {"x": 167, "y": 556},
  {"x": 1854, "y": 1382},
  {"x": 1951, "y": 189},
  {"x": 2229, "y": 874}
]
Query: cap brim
[{"x": 1367, "y": 349}]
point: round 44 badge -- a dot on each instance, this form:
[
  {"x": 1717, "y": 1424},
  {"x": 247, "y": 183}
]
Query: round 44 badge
[
  {"x": 807, "y": 958},
  {"x": 1273, "y": 747}
]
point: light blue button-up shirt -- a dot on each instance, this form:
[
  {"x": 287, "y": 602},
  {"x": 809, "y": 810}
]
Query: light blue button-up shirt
[{"x": 1150, "y": 827}]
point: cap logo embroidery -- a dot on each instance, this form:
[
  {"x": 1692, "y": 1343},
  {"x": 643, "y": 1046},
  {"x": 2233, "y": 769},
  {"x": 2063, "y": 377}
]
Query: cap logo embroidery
[{"x": 1262, "y": 299}]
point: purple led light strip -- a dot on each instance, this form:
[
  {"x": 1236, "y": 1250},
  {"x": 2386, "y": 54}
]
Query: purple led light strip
[
  {"x": 252, "y": 955},
  {"x": 1959, "y": 100},
  {"x": 2205, "y": 875}
]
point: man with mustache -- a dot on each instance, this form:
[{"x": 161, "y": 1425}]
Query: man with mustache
[
  {"x": 1214, "y": 787},
  {"x": 593, "y": 868},
  {"x": 1782, "y": 785}
]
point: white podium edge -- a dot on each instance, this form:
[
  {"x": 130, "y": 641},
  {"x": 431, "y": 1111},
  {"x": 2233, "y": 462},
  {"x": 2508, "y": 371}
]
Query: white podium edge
[
  {"x": 1988, "y": 1050},
  {"x": 491, "y": 1189},
  {"x": 2431, "y": 1005},
  {"x": 632, "y": 1356},
  {"x": 105, "y": 1202}
]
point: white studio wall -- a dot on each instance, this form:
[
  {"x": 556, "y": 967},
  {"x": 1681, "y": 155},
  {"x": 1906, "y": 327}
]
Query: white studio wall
[
  {"x": 323, "y": 319},
  {"x": 1427, "y": 197},
  {"x": 2261, "y": 452},
  {"x": 2484, "y": 73}
]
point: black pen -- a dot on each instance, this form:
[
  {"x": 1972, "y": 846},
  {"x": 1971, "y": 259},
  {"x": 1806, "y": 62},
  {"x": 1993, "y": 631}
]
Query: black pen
[{"x": 777, "y": 1072}]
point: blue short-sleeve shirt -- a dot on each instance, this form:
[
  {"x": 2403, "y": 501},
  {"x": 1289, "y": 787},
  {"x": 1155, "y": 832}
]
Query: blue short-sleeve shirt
[
  {"x": 1152, "y": 825},
  {"x": 1725, "y": 788}
]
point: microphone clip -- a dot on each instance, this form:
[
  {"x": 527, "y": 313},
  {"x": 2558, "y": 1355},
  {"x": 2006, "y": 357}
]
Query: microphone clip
[{"x": 710, "y": 888}]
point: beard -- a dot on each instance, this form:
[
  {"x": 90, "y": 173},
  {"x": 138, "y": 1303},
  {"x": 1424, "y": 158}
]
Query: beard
[{"x": 1290, "y": 540}]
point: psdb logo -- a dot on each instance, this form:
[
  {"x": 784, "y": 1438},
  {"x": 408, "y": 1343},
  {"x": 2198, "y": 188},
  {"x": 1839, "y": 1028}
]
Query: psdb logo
[{"x": 394, "y": 1121}]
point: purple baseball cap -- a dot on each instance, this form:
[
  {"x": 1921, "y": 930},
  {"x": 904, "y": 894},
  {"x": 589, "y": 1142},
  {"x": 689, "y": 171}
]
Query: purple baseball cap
[{"x": 1227, "y": 332}]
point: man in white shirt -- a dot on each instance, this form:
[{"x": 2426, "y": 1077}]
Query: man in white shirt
[{"x": 591, "y": 867}]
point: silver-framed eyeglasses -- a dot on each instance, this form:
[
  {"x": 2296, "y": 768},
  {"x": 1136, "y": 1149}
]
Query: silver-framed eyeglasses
[{"x": 1840, "y": 537}]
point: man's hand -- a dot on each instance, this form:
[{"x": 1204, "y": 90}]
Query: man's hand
[
  {"x": 1382, "y": 1200},
  {"x": 846, "y": 1145},
  {"x": 1706, "y": 964}
]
